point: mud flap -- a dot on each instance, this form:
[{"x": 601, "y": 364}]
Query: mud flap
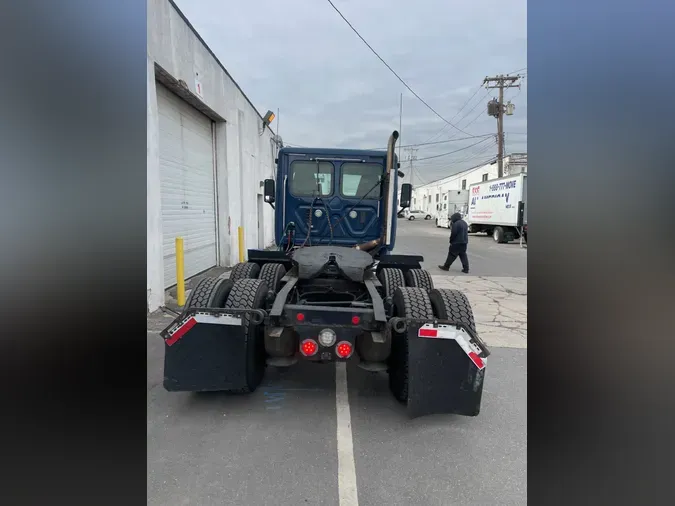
[
  {"x": 205, "y": 350},
  {"x": 446, "y": 367}
]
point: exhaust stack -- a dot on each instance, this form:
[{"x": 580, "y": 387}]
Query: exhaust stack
[
  {"x": 388, "y": 197},
  {"x": 388, "y": 189}
]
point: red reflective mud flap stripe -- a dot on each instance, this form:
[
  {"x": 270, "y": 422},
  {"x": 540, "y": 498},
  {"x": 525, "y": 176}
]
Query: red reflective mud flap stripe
[
  {"x": 428, "y": 332},
  {"x": 181, "y": 331},
  {"x": 477, "y": 360}
]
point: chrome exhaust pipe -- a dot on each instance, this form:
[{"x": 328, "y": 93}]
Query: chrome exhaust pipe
[
  {"x": 387, "y": 180},
  {"x": 367, "y": 246}
]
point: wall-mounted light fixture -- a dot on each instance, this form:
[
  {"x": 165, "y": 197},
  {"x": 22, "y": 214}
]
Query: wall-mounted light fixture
[{"x": 267, "y": 120}]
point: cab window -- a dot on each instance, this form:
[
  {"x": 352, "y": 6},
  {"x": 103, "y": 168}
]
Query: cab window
[
  {"x": 361, "y": 180},
  {"x": 311, "y": 179}
]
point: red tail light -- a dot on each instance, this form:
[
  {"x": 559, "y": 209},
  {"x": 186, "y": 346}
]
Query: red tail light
[
  {"x": 300, "y": 317},
  {"x": 309, "y": 347},
  {"x": 344, "y": 349},
  {"x": 356, "y": 320}
]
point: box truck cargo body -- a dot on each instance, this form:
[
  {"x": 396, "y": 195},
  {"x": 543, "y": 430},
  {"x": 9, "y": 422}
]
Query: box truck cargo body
[
  {"x": 496, "y": 207},
  {"x": 454, "y": 201}
]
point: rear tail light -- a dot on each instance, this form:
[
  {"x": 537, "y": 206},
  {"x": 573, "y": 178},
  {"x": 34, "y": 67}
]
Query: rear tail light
[
  {"x": 344, "y": 349},
  {"x": 356, "y": 320},
  {"x": 309, "y": 347}
]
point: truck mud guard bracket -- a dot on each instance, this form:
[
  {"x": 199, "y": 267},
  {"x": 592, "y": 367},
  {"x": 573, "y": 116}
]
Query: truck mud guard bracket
[
  {"x": 213, "y": 316},
  {"x": 371, "y": 283},
  {"x": 442, "y": 329},
  {"x": 290, "y": 280}
]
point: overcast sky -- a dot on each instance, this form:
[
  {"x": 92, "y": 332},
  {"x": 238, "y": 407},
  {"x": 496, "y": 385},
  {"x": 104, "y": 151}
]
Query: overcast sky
[{"x": 300, "y": 57}]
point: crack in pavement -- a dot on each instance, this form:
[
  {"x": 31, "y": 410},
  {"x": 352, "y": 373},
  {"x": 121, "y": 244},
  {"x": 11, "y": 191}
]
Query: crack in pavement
[{"x": 499, "y": 307}]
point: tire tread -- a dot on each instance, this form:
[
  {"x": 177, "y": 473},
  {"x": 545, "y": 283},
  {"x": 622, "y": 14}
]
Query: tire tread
[
  {"x": 415, "y": 303},
  {"x": 391, "y": 279},
  {"x": 244, "y": 270},
  {"x": 248, "y": 294},
  {"x": 272, "y": 274},
  {"x": 419, "y": 278}
]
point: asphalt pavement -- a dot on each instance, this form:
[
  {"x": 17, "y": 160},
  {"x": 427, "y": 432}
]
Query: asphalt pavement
[
  {"x": 316, "y": 435},
  {"x": 486, "y": 257}
]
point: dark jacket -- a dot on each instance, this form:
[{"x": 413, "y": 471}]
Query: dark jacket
[{"x": 460, "y": 230}]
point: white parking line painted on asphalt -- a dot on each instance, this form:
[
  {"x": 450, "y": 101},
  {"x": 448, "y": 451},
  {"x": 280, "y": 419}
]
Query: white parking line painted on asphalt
[{"x": 345, "y": 446}]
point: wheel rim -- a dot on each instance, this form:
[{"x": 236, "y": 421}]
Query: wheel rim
[{"x": 495, "y": 234}]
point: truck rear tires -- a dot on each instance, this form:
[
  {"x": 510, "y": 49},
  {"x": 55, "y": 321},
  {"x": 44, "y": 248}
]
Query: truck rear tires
[
  {"x": 245, "y": 270},
  {"x": 409, "y": 302},
  {"x": 272, "y": 274},
  {"x": 419, "y": 278},
  {"x": 498, "y": 235},
  {"x": 391, "y": 280},
  {"x": 452, "y": 305},
  {"x": 209, "y": 292},
  {"x": 250, "y": 294}
]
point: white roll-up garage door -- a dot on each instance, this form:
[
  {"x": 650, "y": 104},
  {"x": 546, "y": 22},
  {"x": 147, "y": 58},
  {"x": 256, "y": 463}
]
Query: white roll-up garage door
[{"x": 187, "y": 185}]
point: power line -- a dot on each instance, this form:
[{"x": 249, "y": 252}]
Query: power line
[
  {"x": 477, "y": 166},
  {"x": 480, "y": 101},
  {"x": 473, "y": 109},
  {"x": 456, "y": 114},
  {"x": 419, "y": 176},
  {"x": 442, "y": 142},
  {"x": 472, "y": 156},
  {"x": 392, "y": 70},
  {"x": 455, "y": 151},
  {"x": 452, "y": 140},
  {"x": 480, "y": 113},
  {"x": 479, "y": 153}
]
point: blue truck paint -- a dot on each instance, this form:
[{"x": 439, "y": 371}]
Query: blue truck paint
[{"x": 295, "y": 206}]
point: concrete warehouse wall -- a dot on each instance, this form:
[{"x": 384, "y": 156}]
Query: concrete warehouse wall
[
  {"x": 454, "y": 182},
  {"x": 176, "y": 56}
]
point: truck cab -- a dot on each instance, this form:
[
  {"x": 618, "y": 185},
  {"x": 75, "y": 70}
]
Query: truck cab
[
  {"x": 334, "y": 197},
  {"x": 331, "y": 293}
]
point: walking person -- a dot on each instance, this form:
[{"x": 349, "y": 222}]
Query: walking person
[{"x": 459, "y": 241}]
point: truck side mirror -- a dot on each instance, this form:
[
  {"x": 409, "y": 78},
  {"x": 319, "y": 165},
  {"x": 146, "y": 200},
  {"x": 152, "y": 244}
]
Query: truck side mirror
[
  {"x": 406, "y": 195},
  {"x": 269, "y": 191}
]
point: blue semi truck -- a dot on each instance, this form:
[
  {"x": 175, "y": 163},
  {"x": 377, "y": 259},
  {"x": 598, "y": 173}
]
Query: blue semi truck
[{"x": 332, "y": 291}]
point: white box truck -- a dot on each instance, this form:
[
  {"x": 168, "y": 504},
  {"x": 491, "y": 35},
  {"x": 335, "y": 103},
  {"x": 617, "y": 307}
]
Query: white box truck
[
  {"x": 494, "y": 207},
  {"x": 454, "y": 201}
]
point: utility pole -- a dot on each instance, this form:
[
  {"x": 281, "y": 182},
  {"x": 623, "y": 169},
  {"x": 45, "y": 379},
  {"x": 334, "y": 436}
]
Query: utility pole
[
  {"x": 497, "y": 109},
  {"x": 412, "y": 156}
]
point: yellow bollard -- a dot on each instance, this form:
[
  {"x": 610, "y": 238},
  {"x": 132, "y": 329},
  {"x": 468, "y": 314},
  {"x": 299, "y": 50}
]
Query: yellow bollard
[
  {"x": 240, "y": 233},
  {"x": 180, "y": 272}
]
